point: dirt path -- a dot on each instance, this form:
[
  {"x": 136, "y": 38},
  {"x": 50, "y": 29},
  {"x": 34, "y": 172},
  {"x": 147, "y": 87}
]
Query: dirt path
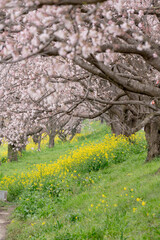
[{"x": 5, "y": 213}]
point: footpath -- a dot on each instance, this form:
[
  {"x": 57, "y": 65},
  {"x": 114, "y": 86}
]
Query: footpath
[{"x": 5, "y": 213}]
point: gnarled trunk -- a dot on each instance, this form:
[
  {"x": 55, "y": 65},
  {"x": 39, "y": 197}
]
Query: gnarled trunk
[
  {"x": 12, "y": 153},
  {"x": 123, "y": 121},
  {"x": 51, "y": 140},
  {"x": 116, "y": 128},
  {"x": 23, "y": 148},
  {"x": 152, "y": 131},
  {"x": 39, "y": 143},
  {"x": 121, "y": 128},
  {"x": 37, "y": 140}
]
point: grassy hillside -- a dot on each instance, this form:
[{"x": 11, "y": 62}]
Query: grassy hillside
[
  {"x": 86, "y": 194},
  {"x": 94, "y": 132}
]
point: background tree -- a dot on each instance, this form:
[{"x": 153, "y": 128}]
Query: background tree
[{"x": 115, "y": 42}]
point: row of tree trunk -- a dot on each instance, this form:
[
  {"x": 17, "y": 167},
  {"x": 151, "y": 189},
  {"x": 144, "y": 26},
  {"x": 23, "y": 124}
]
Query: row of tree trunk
[
  {"x": 13, "y": 152},
  {"x": 152, "y": 133}
]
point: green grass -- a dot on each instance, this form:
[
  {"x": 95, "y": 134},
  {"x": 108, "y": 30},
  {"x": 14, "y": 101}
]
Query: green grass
[
  {"x": 100, "y": 205},
  {"x": 71, "y": 217},
  {"x": 90, "y": 132}
]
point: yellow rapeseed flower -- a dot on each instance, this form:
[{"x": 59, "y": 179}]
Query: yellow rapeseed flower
[
  {"x": 143, "y": 203},
  {"x": 134, "y": 209},
  {"x": 68, "y": 164}
]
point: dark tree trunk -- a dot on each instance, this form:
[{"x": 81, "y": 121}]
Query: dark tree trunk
[
  {"x": 12, "y": 153},
  {"x": 102, "y": 120},
  {"x": 23, "y": 145},
  {"x": 51, "y": 140},
  {"x": 39, "y": 142},
  {"x": 73, "y": 133},
  {"x": 123, "y": 122},
  {"x": 35, "y": 138},
  {"x": 120, "y": 128},
  {"x": 152, "y": 131},
  {"x": 23, "y": 148},
  {"x": 116, "y": 128}
]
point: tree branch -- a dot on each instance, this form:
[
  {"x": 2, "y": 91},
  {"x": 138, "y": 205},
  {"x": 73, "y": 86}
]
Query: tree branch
[
  {"x": 145, "y": 121},
  {"x": 99, "y": 113},
  {"x": 132, "y": 86},
  {"x": 125, "y": 102},
  {"x": 68, "y": 2},
  {"x": 147, "y": 54}
]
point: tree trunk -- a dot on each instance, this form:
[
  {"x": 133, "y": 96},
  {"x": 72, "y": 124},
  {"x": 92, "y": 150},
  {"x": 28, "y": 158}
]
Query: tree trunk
[
  {"x": 35, "y": 138},
  {"x": 23, "y": 145},
  {"x": 12, "y": 153},
  {"x": 120, "y": 128},
  {"x": 124, "y": 122},
  {"x": 102, "y": 120},
  {"x": 51, "y": 140},
  {"x": 39, "y": 142},
  {"x": 116, "y": 128},
  {"x": 23, "y": 148},
  {"x": 152, "y": 131}
]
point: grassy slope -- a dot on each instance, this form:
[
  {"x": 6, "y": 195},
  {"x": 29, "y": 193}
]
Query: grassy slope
[
  {"x": 28, "y": 159},
  {"x": 105, "y": 209}
]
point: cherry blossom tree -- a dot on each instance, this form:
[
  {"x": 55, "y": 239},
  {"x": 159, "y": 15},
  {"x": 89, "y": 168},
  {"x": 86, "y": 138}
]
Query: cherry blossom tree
[
  {"x": 111, "y": 42},
  {"x": 31, "y": 103}
]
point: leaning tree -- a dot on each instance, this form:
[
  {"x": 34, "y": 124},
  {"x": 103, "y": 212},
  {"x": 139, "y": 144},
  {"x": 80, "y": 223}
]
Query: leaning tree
[{"x": 116, "y": 42}]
